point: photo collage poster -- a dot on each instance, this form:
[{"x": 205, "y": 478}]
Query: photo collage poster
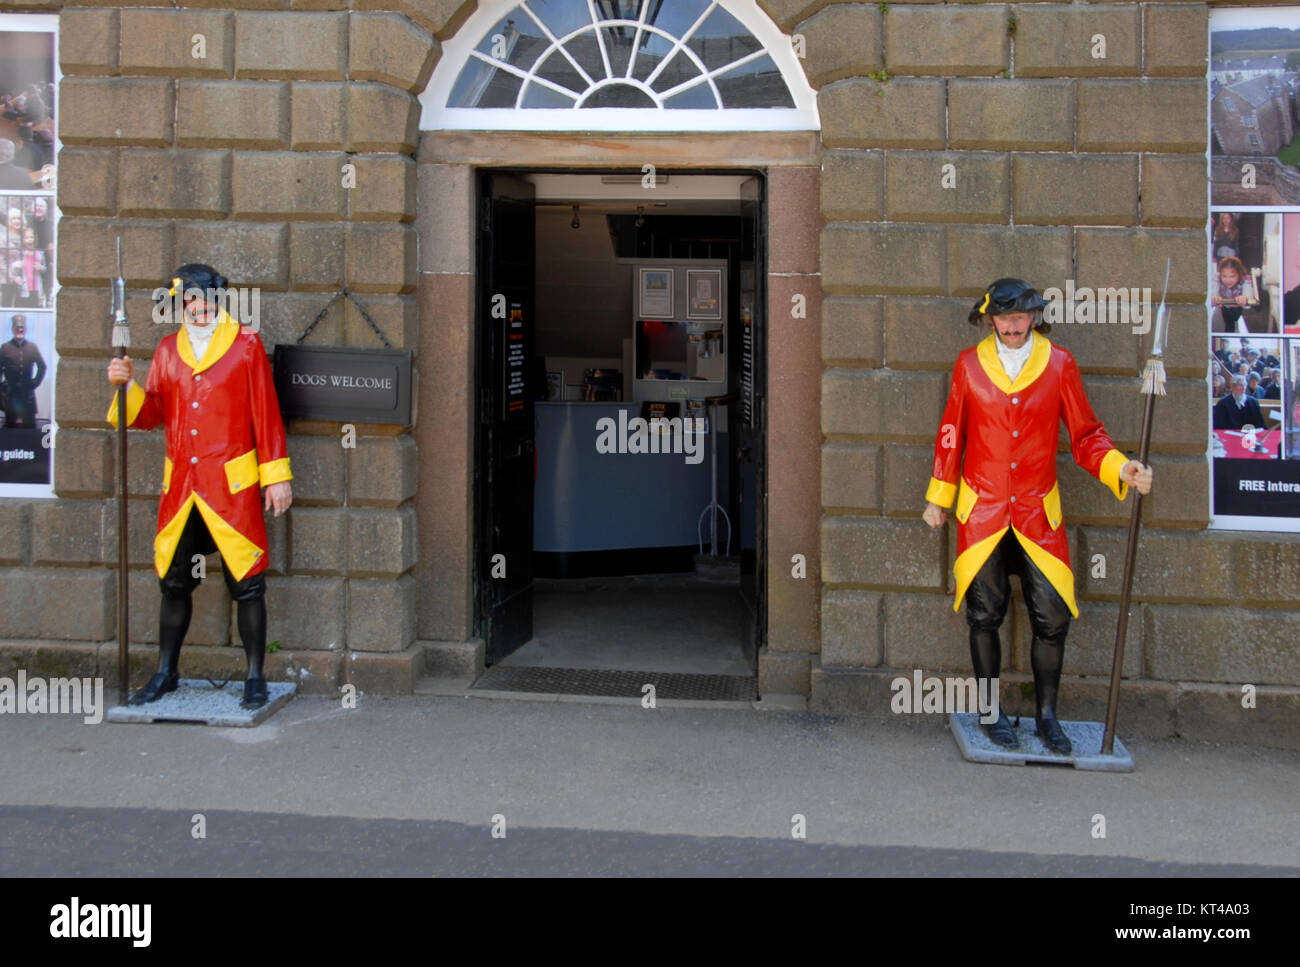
[
  {"x": 28, "y": 155},
  {"x": 1254, "y": 268}
]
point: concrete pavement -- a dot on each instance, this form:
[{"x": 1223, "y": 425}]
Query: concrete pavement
[{"x": 877, "y": 796}]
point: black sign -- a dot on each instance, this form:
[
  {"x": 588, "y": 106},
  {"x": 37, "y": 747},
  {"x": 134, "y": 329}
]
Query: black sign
[
  {"x": 344, "y": 385},
  {"x": 514, "y": 361},
  {"x": 1257, "y": 488},
  {"x": 25, "y": 455},
  {"x": 747, "y": 366}
]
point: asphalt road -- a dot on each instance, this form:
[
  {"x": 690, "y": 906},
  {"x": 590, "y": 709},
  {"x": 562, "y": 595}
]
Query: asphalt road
[{"x": 117, "y": 842}]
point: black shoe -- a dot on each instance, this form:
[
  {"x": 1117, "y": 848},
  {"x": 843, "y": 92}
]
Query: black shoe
[
  {"x": 254, "y": 693},
  {"x": 157, "y": 687},
  {"x": 1053, "y": 736},
  {"x": 1002, "y": 733}
]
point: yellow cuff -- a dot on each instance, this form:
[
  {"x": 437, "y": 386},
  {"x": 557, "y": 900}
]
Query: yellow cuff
[
  {"x": 274, "y": 471},
  {"x": 1111, "y": 465},
  {"x": 941, "y": 493},
  {"x": 134, "y": 400}
]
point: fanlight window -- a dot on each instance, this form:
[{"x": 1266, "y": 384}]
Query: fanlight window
[{"x": 576, "y": 64}]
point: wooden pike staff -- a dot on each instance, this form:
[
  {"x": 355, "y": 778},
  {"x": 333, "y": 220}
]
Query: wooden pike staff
[
  {"x": 1153, "y": 385},
  {"x": 121, "y": 342}
]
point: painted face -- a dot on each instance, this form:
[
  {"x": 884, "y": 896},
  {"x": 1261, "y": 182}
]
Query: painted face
[
  {"x": 1013, "y": 328},
  {"x": 1228, "y": 276},
  {"x": 199, "y": 312}
]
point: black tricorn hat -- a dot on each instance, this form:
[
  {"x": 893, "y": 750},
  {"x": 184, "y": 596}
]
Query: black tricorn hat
[
  {"x": 195, "y": 275},
  {"x": 1004, "y": 296}
]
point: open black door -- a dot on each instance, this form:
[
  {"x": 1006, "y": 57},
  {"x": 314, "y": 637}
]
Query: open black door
[
  {"x": 505, "y": 466},
  {"x": 749, "y": 423}
]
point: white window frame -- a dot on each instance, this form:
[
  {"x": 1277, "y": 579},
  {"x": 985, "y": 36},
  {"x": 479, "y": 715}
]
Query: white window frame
[{"x": 435, "y": 115}]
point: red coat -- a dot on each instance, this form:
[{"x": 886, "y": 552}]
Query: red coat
[
  {"x": 225, "y": 441},
  {"x": 996, "y": 454}
]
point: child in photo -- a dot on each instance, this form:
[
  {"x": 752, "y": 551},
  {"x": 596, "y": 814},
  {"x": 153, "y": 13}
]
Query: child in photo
[
  {"x": 33, "y": 272},
  {"x": 1230, "y": 296}
]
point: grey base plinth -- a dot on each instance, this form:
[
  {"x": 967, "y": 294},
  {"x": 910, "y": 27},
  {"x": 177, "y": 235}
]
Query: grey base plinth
[
  {"x": 198, "y": 702},
  {"x": 1084, "y": 736}
]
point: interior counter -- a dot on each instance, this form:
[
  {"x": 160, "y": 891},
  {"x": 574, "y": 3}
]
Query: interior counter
[{"x": 585, "y": 500}]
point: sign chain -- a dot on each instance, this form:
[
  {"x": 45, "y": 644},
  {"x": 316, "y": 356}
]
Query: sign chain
[{"x": 361, "y": 309}]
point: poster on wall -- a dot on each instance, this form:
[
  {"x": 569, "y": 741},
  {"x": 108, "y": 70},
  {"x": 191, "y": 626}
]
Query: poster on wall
[
  {"x": 704, "y": 288},
  {"x": 28, "y": 150},
  {"x": 656, "y": 293}
]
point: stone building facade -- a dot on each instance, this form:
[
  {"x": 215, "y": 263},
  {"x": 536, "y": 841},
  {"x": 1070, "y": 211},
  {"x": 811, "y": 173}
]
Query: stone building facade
[{"x": 1067, "y": 166}]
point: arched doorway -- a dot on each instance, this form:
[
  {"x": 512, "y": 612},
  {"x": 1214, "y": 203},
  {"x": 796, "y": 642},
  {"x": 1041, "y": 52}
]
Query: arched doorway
[{"x": 497, "y": 131}]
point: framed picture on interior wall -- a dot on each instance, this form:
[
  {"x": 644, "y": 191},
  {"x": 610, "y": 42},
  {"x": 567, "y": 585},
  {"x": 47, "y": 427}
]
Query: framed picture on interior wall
[
  {"x": 655, "y": 288},
  {"x": 704, "y": 294},
  {"x": 554, "y": 386},
  {"x": 575, "y": 391}
]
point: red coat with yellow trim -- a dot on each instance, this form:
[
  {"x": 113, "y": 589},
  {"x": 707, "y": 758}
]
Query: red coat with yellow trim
[
  {"x": 996, "y": 454},
  {"x": 225, "y": 441}
]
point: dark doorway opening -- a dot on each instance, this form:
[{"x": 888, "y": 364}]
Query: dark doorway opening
[{"x": 620, "y": 461}]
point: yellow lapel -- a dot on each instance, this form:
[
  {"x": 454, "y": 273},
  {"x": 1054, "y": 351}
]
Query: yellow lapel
[
  {"x": 223, "y": 337},
  {"x": 987, "y": 352}
]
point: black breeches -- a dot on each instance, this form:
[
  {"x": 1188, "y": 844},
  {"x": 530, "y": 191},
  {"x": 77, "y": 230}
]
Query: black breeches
[
  {"x": 987, "y": 600},
  {"x": 178, "y": 585}
]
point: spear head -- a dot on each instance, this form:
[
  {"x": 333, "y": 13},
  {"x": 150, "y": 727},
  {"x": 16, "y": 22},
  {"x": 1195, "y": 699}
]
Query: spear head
[
  {"x": 1161, "y": 332},
  {"x": 117, "y": 290}
]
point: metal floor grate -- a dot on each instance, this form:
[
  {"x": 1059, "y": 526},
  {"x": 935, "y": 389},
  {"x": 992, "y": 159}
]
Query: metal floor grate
[{"x": 624, "y": 684}]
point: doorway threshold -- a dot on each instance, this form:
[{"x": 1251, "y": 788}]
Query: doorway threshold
[{"x": 617, "y": 683}]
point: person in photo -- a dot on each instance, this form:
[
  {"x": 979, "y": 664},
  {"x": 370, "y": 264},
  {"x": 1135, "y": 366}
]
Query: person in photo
[
  {"x": 1238, "y": 408},
  {"x": 22, "y": 370},
  {"x": 35, "y": 269},
  {"x": 1230, "y": 297}
]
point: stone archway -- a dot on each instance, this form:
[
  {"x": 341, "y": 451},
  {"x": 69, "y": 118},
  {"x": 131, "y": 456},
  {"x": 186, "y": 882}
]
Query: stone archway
[{"x": 446, "y": 227}]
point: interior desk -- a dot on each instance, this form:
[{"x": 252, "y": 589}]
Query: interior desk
[{"x": 585, "y": 500}]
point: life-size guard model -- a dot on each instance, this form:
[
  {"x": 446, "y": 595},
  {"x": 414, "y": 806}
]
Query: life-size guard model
[
  {"x": 210, "y": 385},
  {"x": 996, "y": 457}
]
